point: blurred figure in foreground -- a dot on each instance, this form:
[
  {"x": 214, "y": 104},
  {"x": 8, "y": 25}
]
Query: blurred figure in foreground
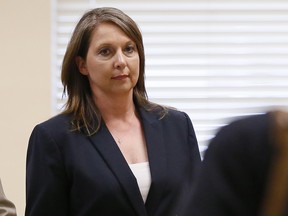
[{"x": 245, "y": 169}]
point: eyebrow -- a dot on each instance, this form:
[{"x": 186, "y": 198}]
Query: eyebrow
[{"x": 130, "y": 42}]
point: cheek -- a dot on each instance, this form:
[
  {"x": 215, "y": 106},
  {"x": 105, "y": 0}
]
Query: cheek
[
  {"x": 136, "y": 65},
  {"x": 95, "y": 68},
  {"x": 136, "y": 74},
  {"x": 136, "y": 70}
]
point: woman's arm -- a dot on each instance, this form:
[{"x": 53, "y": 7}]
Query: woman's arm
[{"x": 46, "y": 180}]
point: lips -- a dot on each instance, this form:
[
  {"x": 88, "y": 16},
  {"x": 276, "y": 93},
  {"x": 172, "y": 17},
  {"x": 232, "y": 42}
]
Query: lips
[{"x": 120, "y": 77}]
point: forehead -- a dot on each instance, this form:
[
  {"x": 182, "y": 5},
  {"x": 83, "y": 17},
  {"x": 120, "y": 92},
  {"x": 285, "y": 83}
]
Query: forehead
[{"x": 109, "y": 31}]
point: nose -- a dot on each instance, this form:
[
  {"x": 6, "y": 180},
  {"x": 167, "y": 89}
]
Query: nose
[{"x": 120, "y": 61}]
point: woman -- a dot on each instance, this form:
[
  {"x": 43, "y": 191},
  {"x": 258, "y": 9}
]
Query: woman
[{"x": 111, "y": 151}]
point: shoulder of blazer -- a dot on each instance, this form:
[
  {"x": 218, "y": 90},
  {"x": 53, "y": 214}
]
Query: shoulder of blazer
[
  {"x": 153, "y": 116},
  {"x": 55, "y": 126},
  {"x": 58, "y": 119},
  {"x": 60, "y": 124}
]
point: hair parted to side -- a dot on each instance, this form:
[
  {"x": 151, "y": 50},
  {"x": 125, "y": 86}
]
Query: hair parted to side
[{"x": 86, "y": 117}]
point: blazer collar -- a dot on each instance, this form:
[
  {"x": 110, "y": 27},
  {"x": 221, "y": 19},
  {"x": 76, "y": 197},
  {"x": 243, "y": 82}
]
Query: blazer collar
[
  {"x": 105, "y": 144},
  {"x": 157, "y": 158}
]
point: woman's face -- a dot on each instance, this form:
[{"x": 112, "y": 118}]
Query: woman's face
[{"x": 112, "y": 62}]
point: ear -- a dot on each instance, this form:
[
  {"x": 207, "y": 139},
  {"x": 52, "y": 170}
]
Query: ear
[{"x": 81, "y": 64}]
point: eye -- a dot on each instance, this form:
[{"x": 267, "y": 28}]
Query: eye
[
  {"x": 104, "y": 52},
  {"x": 130, "y": 49}
]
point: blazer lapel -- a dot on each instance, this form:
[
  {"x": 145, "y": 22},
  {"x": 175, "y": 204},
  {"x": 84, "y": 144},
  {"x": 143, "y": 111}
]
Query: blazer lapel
[
  {"x": 157, "y": 159},
  {"x": 105, "y": 144}
]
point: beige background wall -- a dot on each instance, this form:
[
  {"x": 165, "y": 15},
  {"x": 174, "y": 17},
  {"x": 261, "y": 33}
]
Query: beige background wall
[{"x": 24, "y": 86}]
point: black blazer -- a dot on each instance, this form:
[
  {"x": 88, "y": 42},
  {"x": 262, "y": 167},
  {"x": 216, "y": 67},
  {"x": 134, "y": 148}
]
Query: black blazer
[{"x": 69, "y": 173}]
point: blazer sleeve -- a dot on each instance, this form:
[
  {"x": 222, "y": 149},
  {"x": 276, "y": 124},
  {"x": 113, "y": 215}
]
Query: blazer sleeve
[
  {"x": 7, "y": 208},
  {"x": 46, "y": 189}
]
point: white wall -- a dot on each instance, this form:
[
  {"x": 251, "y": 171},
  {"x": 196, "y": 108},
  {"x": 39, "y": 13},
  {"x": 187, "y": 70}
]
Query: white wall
[{"x": 24, "y": 86}]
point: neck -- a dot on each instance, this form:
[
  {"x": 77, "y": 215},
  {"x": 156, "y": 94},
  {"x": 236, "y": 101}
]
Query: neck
[{"x": 117, "y": 107}]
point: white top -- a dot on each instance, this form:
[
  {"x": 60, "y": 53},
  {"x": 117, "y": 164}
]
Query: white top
[{"x": 142, "y": 173}]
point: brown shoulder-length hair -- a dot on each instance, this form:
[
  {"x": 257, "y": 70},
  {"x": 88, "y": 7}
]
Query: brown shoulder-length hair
[{"x": 86, "y": 116}]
